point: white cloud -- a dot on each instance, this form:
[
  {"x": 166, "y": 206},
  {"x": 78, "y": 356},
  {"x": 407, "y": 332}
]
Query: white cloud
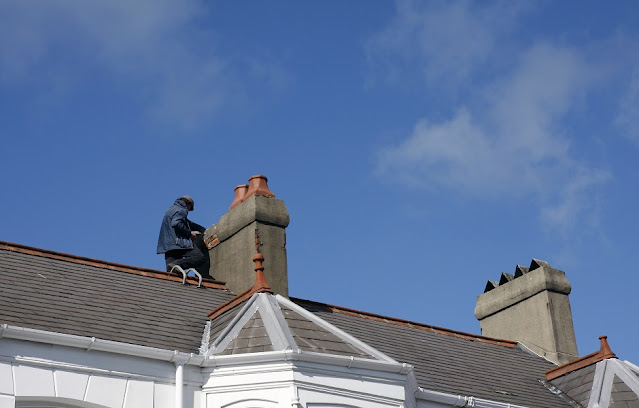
[
  {"x": 628, "y": 116},
  {"x": 156, "y": 47},
  {"x": 442, "y": 41},
  {"x": 510, "y": 142}
]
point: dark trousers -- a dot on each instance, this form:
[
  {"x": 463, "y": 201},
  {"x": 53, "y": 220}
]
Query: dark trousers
[{"x": 189, "y": 258}]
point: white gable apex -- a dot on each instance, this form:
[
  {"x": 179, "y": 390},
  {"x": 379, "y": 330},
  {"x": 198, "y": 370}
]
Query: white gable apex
[{"x": 269, "y": 322}]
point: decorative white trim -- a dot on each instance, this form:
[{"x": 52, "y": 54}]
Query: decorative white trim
[
  {"x": 624, "y": 372},
  {"x": 632, "y": 367},
  {"x": 461, "y": 400},
  {"x": 602, "y": 383},
  {"x": 597, "y": 385},
  {"x": 91, "y": 343},
  {"x": 275, "y": 323},
  {"x": 41, "y": 336},
  {"x": 341, "y": 392},
  {"x": 38, "y": 362},
  {"x": 339, "y": 333},
  {"x": 231, "y": 331},
  {"x": 206, "y": 338},
  {"x": 321, "y": 358},
  {"x": 278, "y": 331}
]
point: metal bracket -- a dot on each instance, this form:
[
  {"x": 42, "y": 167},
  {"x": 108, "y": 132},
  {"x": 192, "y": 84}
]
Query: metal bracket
[
  {"x": 184, "y": 273},
  {"x": 178, "y": 268},
  {"x": 196, "y": 274}
]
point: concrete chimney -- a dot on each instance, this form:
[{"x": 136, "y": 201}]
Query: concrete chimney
[
  {"x": 255, "y": 223},
  {"x": 531, "y": 306}
]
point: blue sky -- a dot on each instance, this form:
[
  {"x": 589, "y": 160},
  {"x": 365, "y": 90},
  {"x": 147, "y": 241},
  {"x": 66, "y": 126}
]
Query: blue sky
[{"x": 421, "y": 148}]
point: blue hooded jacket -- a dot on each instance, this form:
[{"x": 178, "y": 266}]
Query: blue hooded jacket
[{"x": 175, "y": 232}]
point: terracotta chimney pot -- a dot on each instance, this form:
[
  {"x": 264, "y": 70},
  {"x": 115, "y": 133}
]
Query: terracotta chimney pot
[
  {"x": 258, "y": 186},
  {"x": 240, "y": 193}
]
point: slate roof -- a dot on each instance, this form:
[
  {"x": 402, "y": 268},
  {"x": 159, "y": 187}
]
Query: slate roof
[
  {"x": 309, "y": 336},
  {"x": 67, "y": 294},
  {"x": 450, "y": 361},
  {"x": 62, "y": 293},
  {"x": 577, "y": 384},
  {"x": 622, "y": 396},
  {"x": 253, "y": 338}
]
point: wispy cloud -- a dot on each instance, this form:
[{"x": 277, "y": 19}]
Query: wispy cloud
[
  {"x": 510, "y": 139},
  {"x": 442, "y": 41},
  {"x": 157, "y": 47},
  {"x": 628, "y": 117}
]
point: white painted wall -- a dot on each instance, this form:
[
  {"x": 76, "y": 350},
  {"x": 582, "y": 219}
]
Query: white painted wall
[
  {"x": 302, "y": 384},
  {"x": 32, "y": 371}
]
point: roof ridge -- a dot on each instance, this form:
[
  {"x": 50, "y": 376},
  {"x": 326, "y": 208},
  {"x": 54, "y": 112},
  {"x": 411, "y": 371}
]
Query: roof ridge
[
  {"x": 417, "y": 325},
  {"x": 152, "y": 273},
  {"x": 604, "y": 353},
  {"x": 230, "y": 304}
]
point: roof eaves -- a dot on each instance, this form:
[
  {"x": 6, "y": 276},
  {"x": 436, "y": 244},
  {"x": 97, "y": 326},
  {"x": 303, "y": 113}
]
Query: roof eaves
[
  {"x": 8, "y": 246},
  {"x": 412, "y": 324},
  {"x": 92, "y": 343}
]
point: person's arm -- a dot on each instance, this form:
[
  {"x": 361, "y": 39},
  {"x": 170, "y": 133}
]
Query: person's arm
[
  {"x": 196, "y": 227},
  {"x": 180, "y": 224}
]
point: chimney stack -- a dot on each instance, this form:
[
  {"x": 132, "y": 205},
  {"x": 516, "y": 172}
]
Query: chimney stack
[
  {"x": 255, "y": 223},
  {"x": 530, "y": 306}
]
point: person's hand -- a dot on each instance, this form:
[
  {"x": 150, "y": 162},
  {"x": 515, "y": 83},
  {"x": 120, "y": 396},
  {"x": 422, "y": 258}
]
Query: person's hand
[{"x": 195, "y": 234}]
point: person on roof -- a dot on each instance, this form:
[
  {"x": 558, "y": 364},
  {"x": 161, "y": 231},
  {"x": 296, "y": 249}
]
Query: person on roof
[{"x": 181, "y": 241}]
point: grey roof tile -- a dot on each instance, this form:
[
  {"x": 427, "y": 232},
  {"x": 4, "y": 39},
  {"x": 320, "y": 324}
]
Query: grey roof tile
[
  {"x": 309, "y": 336},
  {"x": 577, "y": 384},
  {"x": 622, "y": 393},
  {"x": 448, "y": 363},
  {"x": 85, "y": 300},
  {"x": 218, "y": 325},
  {"x": 251, "y": 338},
  {"x": 66, "y": 297}
]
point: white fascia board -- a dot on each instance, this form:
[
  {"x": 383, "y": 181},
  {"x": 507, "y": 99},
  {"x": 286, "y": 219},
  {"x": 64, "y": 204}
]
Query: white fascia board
[
  {"x": 603, "y": 380},
  {"x": 354, "y": 362},
  {"x": 275, "y": 323},
  {"x": 91, "y": 343},
  {"x": 632, "y": 366},
  {"x": 319, "y": 358},
  {"x": 461, "y": 400}
]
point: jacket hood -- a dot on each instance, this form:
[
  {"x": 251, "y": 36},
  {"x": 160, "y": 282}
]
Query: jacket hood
[{"x": 181, "y": 203}]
